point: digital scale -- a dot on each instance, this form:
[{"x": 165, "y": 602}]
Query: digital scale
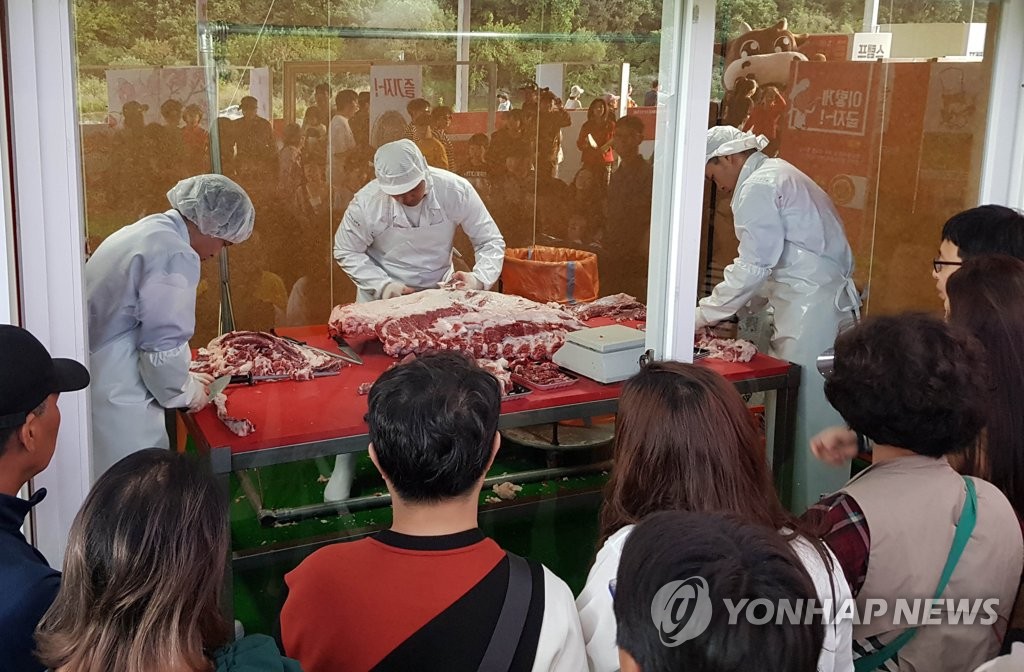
[{"x": 605, "y": 354}]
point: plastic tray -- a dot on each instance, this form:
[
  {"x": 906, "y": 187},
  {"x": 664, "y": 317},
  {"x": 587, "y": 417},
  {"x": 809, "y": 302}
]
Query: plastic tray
[{"x": 543, "y": 387}]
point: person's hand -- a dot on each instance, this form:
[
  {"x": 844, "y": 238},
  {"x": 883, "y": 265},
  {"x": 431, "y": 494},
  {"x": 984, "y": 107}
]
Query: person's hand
[
  {"x": 464, "y": 280},
  {"x": 198, "y": 394},
  {"x": 835, "y": 445},
  {"x": 393, "y": 289}
]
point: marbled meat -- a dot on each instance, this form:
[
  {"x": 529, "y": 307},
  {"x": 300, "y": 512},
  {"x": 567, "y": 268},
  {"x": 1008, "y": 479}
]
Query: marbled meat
[
  {"x": 728, "y": 349},
  {"x": 619, "y": 307},
  {"x": 261, "y": 354},
  {"x": 483, "y": 325}
]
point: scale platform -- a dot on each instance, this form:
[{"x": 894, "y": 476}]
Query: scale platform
[{"x": 605, "y": 354}]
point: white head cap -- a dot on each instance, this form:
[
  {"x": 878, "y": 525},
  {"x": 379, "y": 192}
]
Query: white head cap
[
  {"x": 216, "y": 205},
  {"x": 575, "y": 91},
  {"x": 727, "y": 140},
  {"x": 400, "y": 167}
]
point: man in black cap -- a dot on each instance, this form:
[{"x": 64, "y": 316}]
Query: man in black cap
[{"x": 30, "y": 383}]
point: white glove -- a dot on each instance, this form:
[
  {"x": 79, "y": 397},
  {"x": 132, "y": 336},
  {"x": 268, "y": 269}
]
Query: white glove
[
  {"x": 198, "y": 395},
  {"x": 393, "y": 289},
  {"x": 464, "y": 280},
  {"x": 835, "y": 445}
]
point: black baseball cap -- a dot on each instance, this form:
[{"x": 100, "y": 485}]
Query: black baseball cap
[{"x": 29, "y": 375}]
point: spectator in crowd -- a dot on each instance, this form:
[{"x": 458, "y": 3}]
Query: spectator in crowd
[
  {"x": 628, "y": 211},
  {"x": 314, "y": 141},
  {"x": 140, "y": 287},
  {"x": 543, "y": 120},
  {"x": 168, "y": 147},
  {"x": 504, "y": 105},
  {"x": 340, "y": 138},
  {"x": 143, "y": 577},
  {"x": 440, "y": 122},
  {"x": 29, "y": 421},
  {"x": 476, "y": 169},
  {"x": 421, "y": 132},
  {"x": 909, "y": 525},
  {"x": 573, "y": 103},
  {"x": 255, "y": 148},
  {"x": 595, "y": 142},
  {"x": 514, "y": 194},
  {"x": 685, "y": 441},
  {"x": 651, "y": 97},
  {"x": 319, "y": 113},
  {"x": 731, "y": 560},
  {"x": 360, "y": 121},
  {"x": 984, "y": 230},
  {"x": 986, "y": 297},
  {"x": 289, "y": 161},
  {"x": 130, "y": 176},
  {"x": 503, "y": 142},
  {"x": 529, "y": 93},
  {"x": 196, "y": 140},
  {"x": 442, "y": 592}
]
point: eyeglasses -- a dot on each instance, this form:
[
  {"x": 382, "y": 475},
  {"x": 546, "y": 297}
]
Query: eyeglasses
[{"x": 937, "y": 264}]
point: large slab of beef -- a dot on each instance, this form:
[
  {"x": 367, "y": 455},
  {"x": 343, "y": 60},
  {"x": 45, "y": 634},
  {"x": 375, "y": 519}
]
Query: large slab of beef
[
  {"x": 261, "y": 354},
  {"x": 618, "y": 307},
  {"x": 484, "y": 325}
]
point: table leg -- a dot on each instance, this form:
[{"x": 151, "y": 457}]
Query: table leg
[{"x": 785, "y": 434}]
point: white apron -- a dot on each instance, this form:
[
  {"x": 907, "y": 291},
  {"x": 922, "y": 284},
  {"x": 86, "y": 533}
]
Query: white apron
[
  {"x": 125, "y": 416},
  {"x": 811, "y": 299}
]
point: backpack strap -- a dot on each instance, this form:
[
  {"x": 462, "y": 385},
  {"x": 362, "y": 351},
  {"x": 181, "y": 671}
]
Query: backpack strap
[
  {"x": 512, "y": 619},
  {"x": 964, "y": 528}
]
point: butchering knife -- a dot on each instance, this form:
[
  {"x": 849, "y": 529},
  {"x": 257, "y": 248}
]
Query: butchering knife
[
  {"x": 347, "y": 353},
  {"x": 249, "y": 379},
  {"x": 347, "y": 350},
  {"x": 217, "y": 386}
]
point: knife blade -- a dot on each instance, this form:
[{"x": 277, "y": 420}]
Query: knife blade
[
  {"x": 345, "y": 357},
  {"x": 346, "y": 349},
  {"x": 218, "y": 385}
]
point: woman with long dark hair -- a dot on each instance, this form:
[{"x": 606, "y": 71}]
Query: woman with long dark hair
[
  {"x": 986, "y": 297},
  {"x": 685, "y": 441},
  {"x": 595, "y": 141},
  {"x": 143, "y": 575}
]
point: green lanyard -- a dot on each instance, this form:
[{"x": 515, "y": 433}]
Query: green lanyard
[{"x": 964, "y": 528}]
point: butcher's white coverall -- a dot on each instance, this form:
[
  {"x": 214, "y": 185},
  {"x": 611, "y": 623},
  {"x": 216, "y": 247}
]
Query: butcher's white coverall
[
  {"x": 794, "y": 256},
  {"x": 140, "y": 290},
  {"x": 381, "y": 241}
]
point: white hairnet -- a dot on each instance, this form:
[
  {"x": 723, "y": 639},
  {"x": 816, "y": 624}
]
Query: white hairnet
[
  {"x": 216, "y": 205},
  {"x": 728, "y": 140},
  {"x": 576, "y": 91},
  {"x": 400, "y": 167}
]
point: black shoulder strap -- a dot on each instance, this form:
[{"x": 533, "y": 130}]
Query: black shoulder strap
[{"x": 512, "y": 619}]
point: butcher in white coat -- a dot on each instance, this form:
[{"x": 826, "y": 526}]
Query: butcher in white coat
[
  {"x": 396, "y": 237},
  {"x": 141, "y": 293},
  {"x": 794, "y": 257}
]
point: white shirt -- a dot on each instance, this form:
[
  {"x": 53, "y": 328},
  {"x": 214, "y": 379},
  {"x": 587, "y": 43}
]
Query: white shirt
[
  {"x": 504, "y": 106},
  {"x": 597, "y": 617},
  {"x": 560, "y": 645},
  {"x": 376, "y": 242},
  {"x": 573, "y": 104},
  {"x": 775, "y": 204},
  {"x": 341, "y": 140}
]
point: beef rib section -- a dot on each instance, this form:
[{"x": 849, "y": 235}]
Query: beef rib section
[
  {"x": 483, "y": 325},
  {"x": 619, "y": 307},
  {"x": 261, "y": 354}
]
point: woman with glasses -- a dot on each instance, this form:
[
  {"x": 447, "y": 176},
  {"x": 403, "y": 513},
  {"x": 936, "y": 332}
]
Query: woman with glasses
[{"x": 685, "y": 441}]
